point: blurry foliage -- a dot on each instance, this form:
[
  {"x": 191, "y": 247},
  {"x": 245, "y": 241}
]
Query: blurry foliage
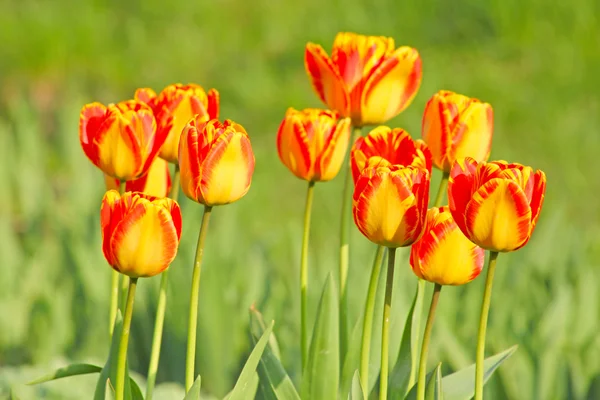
[{"x": 536, "y": 62}]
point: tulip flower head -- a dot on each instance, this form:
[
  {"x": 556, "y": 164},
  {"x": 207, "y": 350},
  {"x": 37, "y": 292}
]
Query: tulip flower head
[
  {"x": 366, "y": 78},
  {"x": 456, "y": 126},
  {"x": 174, "y": 107},
  {"x": 156, "y": 182},
  {"x": 444, "y": 255},
  {"x": 390, "y": 203},
  {"x": 312, "y": 143},
  {"x": 395, "y": 146},
  {"x": 140, "y": 233},
  {"x": 120, "y": 139},
  {"x": 496, "y": 204},
  {"x": 216, "y": 161}
]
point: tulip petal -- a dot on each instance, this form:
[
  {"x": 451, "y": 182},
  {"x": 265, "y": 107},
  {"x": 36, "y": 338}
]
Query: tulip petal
[
  {"x": 145, "y": 95},
  {"x": 91, "y": 119},
  {"x": 537, "y": 199},
  {"x": 334, "y": 151},
  {"x": 227, "y": 170},
  {"x": 111, "y": 212},
  {"x": 392, "y": 86},
  {"x": 156, "y": 182},
  {"x": 189, "y": 161},
  {"x": 325, "y": 79},
  {"x": 173, "y": 208},
  {"x": 498, "y": 218},
  {"x": 120, "y": 155},
  {"x": 145, "y": 241},
  {"x": 213, "y": 104},
  {"x": 461, "y": 187}
]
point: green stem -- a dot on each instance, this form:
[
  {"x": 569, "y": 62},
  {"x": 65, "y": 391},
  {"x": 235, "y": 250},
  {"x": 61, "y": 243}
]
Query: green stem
[
  {"x": 193, "y": 317},
  {"x": 414, "y": 343},
  {"x": 122, "y": 359},
  {"x": 485, "y": 309},
  {"x": 365, "y": 347},
  {"x": 124, "y": 291},
  {"x": 304, "y": 273},
  {"x": 345, "y": 251},
  {"x": 160, "y": 309},
  {"x": 426, "y": 336},
  {"x": 385, "y": 327},
  {"x": 442, "y": 189},
  {"x": 114, "y": 288}
]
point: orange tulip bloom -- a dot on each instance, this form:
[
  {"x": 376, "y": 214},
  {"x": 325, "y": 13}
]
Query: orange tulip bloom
[
  {"x": 392, "y": 145},
  {"x": 456, "y": 126},
  {"x": 444, "y": 255},
  {"x": 216, "y": 161},
  {"x": 390, "y": 203},
  {"x": 496, "y": 205},
  {"x": 174, "y": 107},
  {"x": 366, "y": 78},
  {"x": 312, "y": 143},
  {"x": 156, "y": 182},
  {"x": 120, "y": 139},
  {"x": 140, "y": 233}
]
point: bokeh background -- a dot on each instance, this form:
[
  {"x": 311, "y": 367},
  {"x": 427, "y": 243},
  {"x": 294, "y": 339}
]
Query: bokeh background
[{"x": 535, "y": 61}]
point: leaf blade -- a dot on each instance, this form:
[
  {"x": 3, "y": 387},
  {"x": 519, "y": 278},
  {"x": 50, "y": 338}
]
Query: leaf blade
[{"x": 65, "y": 372}]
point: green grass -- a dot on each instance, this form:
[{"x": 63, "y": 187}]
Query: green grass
[{"x": 536, "y": 62}]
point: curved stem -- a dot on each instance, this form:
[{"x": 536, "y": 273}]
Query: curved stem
[
  {"x": 426, "y": 336},
  {"x": 345, "y": 251},
  {"x": 122, "y": 359},
  {"x": 114, "y": 288},
  {"x": 485, "y": 309},
  {"x": 441, "y": 190},
  {"x": 193, "y": 317},
  {"x": 385, "y": 327},
  {"x": 160, "y": 309},
  {"x": 304, "y": 273},
  {"x": 365, "y": 347}
]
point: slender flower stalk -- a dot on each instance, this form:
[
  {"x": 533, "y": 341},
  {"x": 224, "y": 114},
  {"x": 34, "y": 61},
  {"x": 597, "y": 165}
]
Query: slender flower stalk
[
  {"x": 160, "y": 309},
  {"x": 365, "y": 347},
  {"x": 345, "y": 253},
  {"x": 426, "y": 336},
  {"x": 122, "y": 359},
  {"x": 114, "y": 287},
  {"x": 385, "y": 327},
  {"x": 124, "y": 291},
  {"x": 485, "y": 309},
  {"x": 193, "y": 317},
  {"x": 304, "y": 273}
]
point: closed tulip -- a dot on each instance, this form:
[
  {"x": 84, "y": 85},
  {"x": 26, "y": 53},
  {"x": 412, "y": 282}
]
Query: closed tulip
[
  {"x": 312, "y": 143},
  {"x": 120, "y": 139},
  {"x": 496, "y": 205},
  {"x": 444, "y": 255},
  {"x": 395, "y": 146},
  {"x": 174, "y": 107},
  {"x": 366, "y": 77},
  {"x": 140, "y": 233},
  {"x": 456, "y": 126},
  {"x": 390, "y": 203},
  {"x": 156, "y": 182},
  {"x": 216, "y": 161}
]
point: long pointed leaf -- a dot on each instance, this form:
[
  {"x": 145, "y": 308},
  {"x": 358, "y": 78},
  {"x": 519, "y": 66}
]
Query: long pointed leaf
[
  {"x": 321, "y": 372},
  {"x": 109, "y": 391},
  {"x": 433, "y": 386},
  {"x": 356, "y": 392},
  {"x": 194, "y": 392},
  {"x": 352, "y": 358},
  {"x": 242, "y": 388},
  {"x": 64, "y": 372}
]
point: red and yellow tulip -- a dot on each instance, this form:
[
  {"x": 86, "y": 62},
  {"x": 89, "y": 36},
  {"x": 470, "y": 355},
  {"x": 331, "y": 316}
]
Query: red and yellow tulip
[
  {"x": 456, "y": 126},
  {"x": 366, "y": 78},
  {"x": 120, "y": 139},
  {"x": 156, "y": 182},
  {"x": 390, "y": 203},
  {"x": 140, "y": 233},
  {"x": 395, "y": 146},
  {"x": 174, "y": 107},
  {"x": 216, "y": 161},
  {"x": 496, "y": 205},
  {"x": 312, "y": 143},
  {"x": 444, "y": 255}
]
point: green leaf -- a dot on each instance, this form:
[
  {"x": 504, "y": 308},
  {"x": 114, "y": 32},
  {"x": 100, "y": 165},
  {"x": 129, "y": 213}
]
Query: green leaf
[
  {"x": 136, "y": 392},
  {"x": 352, "y": 358},
  {"x": 461, "y": 384},
  {"x": 356, "y": 392},
  {"x": 109, "y": 391},
  {"x": 257, "y": 328},
  {"x": 71, "y": 370},
  {"x": 398, "y": 384},
  {"x": 244, "y": 385},
  {"x": 433, "y": 388},
  {"x": 321, "y": 372},
  {"x": 109, "y": 371},
  {"x": 274, "y": 382},
  {"x": 194, "y": 392}
]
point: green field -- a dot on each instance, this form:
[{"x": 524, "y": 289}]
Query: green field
[{"x": 536, "y": 62}]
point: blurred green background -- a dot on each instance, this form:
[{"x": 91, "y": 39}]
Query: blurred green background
[{"x": 536, "y": 62}]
